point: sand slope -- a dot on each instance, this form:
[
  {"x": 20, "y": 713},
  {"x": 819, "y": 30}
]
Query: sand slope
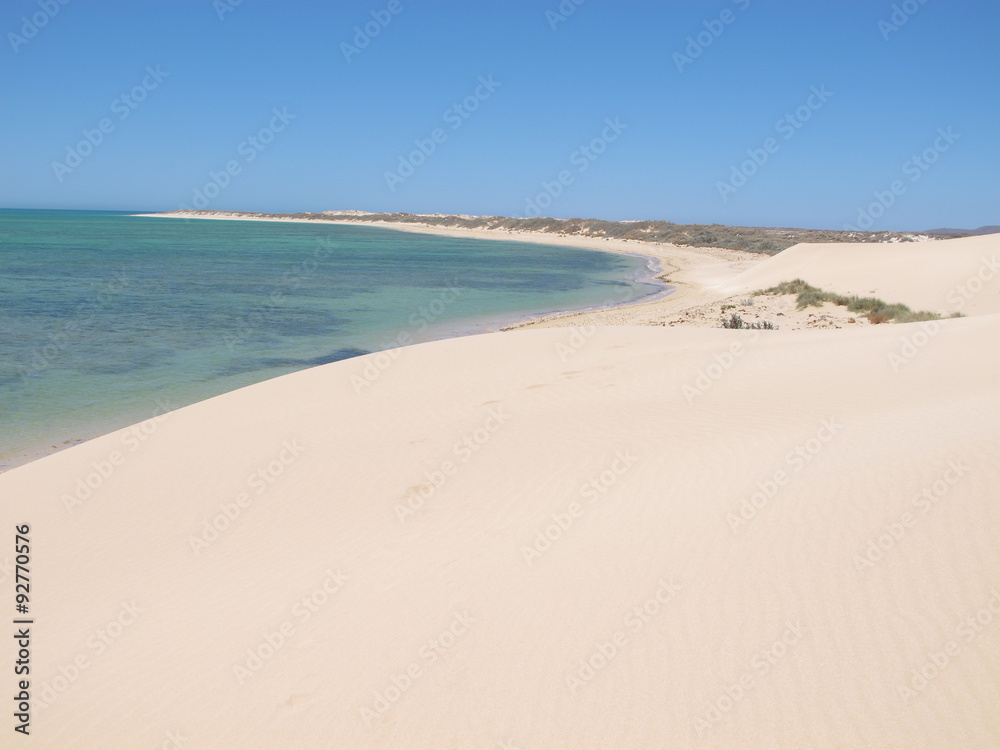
[
  {"x": 960, "y": 275},
  {"x": 737, "y": 544}
]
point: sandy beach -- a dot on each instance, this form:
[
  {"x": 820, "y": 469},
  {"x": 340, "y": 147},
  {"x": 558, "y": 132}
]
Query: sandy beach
[
  {"x": 705, "y": 285},
  {"x": 626, "y": 529},
  {"x": 689, "y": 271}
]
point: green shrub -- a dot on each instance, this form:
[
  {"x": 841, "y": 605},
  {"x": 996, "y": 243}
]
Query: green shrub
[
  {"x": 796, "y": 286},
  {"x": 917, "y": 317},
  {"x": 737, "y": 323},
  {"x": 878, "y": 311},
  {"x": 865, "y": 304},
  {"x": 811, "y": 298}
]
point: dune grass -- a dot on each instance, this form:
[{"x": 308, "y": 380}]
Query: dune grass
[
  {"x": 876, "y": 310},
  {"x": 736, "y": 322}
]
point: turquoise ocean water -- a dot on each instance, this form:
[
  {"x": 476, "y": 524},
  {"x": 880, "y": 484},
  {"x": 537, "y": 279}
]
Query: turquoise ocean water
[{"x": 107, "y": 318}]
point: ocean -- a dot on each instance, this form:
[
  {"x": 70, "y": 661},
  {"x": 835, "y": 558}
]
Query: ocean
[{"x": 107, "y": 319}]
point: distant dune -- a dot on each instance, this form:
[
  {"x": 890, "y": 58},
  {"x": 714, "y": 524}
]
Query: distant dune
[
  {"x": 767, "y": 240},
  {"x": 965, "y": 232},
  {"x": 949, "y": 276}
]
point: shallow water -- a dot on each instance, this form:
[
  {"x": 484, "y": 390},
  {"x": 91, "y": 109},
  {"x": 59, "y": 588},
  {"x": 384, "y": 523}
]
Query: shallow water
[{"x": 107, "y": 319}]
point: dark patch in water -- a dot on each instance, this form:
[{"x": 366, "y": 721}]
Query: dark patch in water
[
  {"x": 271, "y": 363},
  {"x": 347, "y": 353},
  {"x": 140, "y": 360}
]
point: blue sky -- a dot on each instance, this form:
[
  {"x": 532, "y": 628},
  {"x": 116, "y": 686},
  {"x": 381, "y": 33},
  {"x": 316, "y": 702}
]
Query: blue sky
[{"x": 756, "y": 112}]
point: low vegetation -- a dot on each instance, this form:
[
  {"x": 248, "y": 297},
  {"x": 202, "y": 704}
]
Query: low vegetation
[
  {"x": 765, "y": 240},
  {"x": 876, "y": 310},
  {"x": 736, "y": 322}
]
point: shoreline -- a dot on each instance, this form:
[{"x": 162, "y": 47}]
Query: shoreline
[
  {"x": 698, "y": 282},
  {"x": 693, "y": 288},
  {"x": 652, "y": 276},
  {"x": 685, "y": 274}
]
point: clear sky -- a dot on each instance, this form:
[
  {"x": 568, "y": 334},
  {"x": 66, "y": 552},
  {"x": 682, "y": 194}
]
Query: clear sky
[{"x": 804, "y": 113}]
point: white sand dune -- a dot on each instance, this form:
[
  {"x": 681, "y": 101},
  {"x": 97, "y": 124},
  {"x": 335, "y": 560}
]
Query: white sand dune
[
  {"x": 948, "y": 276},
  {"x": 643, "y": 447},
  {"x": 633, "y": 537}
]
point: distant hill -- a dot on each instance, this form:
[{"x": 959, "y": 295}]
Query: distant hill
[
  {"x": 965, "y": 232},
  {"x": 766, "y": 240}
]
